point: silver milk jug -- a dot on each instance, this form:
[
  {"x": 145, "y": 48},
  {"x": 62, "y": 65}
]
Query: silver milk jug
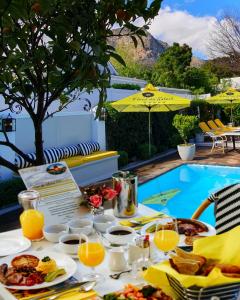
[{"x": 125, "y": 203}]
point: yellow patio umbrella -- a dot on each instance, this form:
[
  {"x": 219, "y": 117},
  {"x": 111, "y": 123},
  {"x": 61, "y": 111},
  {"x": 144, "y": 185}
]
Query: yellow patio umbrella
[
  {"x": 231, "y": 96},
  {"x": 151, "y": 100}
]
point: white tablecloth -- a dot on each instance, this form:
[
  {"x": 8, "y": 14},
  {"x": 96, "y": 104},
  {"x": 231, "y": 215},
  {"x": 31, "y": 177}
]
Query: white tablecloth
[{"x": 109, "y": 285}]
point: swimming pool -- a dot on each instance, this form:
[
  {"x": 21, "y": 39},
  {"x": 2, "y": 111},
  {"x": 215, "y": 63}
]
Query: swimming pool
[{"x": 181, "y": 190}]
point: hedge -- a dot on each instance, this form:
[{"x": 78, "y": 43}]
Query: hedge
[{"x": 127, "y": 131}]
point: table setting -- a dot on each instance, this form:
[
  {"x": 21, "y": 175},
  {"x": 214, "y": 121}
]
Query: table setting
[{"x": 129, "y": 251}]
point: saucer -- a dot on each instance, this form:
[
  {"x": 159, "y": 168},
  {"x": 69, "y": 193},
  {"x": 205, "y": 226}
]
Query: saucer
[
  {"x": 106, "y": 243},
  {"x": 59, "y": 249}
]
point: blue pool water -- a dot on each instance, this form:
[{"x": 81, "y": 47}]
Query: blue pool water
[{"x": 194, "y": 183}]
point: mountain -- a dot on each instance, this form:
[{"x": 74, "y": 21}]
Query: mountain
[{"x": 148, "y": 54}]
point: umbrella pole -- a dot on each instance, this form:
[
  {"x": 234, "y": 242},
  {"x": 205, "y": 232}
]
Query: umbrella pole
[
  {"x": 149, "y": 133},
  {"x": 231, "y": 113}
]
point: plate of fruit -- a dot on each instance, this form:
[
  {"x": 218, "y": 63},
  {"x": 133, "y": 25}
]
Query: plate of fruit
[{"x": 36, "y": 270}]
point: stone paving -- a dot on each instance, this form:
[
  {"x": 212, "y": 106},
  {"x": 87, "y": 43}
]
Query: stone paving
[{"x": 203, "y": 156}]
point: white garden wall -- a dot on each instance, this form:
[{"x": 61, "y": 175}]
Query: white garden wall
[{"x": 64, "y": 128}]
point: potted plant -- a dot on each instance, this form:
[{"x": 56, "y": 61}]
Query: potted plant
[{"x": 185, "y": 126}]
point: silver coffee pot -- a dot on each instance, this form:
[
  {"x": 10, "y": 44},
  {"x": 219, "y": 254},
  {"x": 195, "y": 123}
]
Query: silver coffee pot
[{"x": 125, "y": 203}]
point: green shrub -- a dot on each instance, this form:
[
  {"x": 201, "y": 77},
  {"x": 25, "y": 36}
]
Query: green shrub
[
  {"x": 185, "y": 125},
  {"x": 126, "y": 86},
  {"x": 125, "y": 131},
  {"x": 143, "y": 151},
  {"x": 9, "y": 190},
  {"x": 123, "y": 159},
  {"x": 175, "y": 140}
]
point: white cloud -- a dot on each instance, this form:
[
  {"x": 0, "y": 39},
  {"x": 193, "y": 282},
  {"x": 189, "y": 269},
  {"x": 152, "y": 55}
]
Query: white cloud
[{"x": 180, "y": 26}]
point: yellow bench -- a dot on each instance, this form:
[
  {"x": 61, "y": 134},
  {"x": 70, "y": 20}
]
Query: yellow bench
[
  {"x": 91, "y": 168},
  {"x": 78, "y": 160}
]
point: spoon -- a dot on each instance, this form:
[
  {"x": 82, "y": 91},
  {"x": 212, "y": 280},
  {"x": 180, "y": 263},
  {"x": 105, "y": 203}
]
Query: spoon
[
  {"x": 86, "y": 287},
  {"x": 117, "y": 275}
]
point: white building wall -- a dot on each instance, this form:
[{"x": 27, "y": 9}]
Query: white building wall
[{"x": 62, "y": 129}]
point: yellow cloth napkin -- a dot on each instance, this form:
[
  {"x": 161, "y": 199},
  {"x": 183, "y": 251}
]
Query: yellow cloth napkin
[
  {"x": 73, "y": 295},
  {"x": 143, "y": 220},
  {"x": 224, "y": 247}
]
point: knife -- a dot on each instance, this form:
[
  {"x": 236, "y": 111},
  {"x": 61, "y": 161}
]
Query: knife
[{"x": 58, "y": 290}]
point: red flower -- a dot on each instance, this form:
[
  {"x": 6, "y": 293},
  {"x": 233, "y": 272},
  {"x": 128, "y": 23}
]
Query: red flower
[
  {"x": 95, "y": 201},
  {"x": 109, "y": 194}
]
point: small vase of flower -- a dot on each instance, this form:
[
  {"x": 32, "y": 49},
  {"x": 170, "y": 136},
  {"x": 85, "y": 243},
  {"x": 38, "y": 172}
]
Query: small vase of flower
[{"x": 94, "y": 198}]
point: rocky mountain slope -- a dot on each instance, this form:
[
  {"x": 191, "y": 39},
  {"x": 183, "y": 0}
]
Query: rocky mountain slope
[{"x": 148, "y": 54}]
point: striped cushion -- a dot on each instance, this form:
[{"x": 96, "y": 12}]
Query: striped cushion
[
  {"x": 71, "y": 151},
  {"x": 227, "y": 208},
  {"x": 61, "y": 153},
  {"x": 21, "y": 163},
  {"x": 51, "y": 155},
  {"x": 94, "y": 146},
  {"x": 85, "y": 148}
]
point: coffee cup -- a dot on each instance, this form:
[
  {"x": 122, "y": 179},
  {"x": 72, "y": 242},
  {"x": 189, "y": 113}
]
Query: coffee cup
[{"x": 69, "y": 243}]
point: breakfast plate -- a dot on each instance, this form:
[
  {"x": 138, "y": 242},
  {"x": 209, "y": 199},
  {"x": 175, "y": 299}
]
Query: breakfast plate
[
  {"x": 13, "y": 245},
  {"x": 59, "y": 249},
  {"x": 210, "y": 231},
  {"x": 62, "y": 261}
]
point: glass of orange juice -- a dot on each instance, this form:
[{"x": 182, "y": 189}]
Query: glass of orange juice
[
  {"x": 166, "y": 237},
  {"x": 91, "y": 254},
  {"x": 31, "y": 220}
]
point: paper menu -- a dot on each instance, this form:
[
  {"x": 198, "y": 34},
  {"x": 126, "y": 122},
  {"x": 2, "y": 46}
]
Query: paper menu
[{"x": 60, "y": 194}]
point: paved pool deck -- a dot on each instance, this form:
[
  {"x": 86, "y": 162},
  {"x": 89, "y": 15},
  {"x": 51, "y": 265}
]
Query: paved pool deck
[
  {"x": 203, "y": 156},
  {"x": 151, "y": 170}
]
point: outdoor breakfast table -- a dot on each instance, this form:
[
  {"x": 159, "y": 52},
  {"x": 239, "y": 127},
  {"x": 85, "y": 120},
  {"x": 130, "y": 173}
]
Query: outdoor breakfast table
[
  {"x": 233, "y": 135},
  {"x": 107, "y": 286}
]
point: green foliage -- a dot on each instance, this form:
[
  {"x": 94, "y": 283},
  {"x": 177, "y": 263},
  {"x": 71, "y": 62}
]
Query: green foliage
[
  {"x": 123, "y": 158},
  {"x": 171, "y": 65},
  {"x": 126, "y": 86},
  {"x": 126, "y": 131},
  {"x": 227, "y": 113},
  {"x": 9, "y": 190},
  {"x": 203, "y": 110},
  {"x": 185, "y": 125},
  {"x": 51, "y": 48},
  {"x": 132, "y": 68},
  {"x": 199, "y": 80},
  {"x": 143, "y": 151}
]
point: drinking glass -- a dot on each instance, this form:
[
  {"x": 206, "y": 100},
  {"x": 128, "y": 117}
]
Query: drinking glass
[
  {"x": 91, "y": 254},
  {"x": 166, "y": 236},
  {"x": 31, "y": 220}
]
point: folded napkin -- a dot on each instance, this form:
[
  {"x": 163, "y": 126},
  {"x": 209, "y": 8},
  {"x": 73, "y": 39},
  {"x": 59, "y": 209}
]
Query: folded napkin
[
  {"x": 141, "y": 221},
  {"x": 224, "y": 248}
]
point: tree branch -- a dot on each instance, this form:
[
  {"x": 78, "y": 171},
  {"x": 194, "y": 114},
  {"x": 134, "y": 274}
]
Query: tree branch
[
  {"x": 18, "y": 151},
  {"x": 8, "y": 164}
]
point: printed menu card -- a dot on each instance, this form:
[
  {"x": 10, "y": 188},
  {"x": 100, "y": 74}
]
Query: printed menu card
[{"x": 60, "y": 194}]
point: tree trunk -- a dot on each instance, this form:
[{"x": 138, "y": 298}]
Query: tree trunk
[{"x": 39, "y": 143}]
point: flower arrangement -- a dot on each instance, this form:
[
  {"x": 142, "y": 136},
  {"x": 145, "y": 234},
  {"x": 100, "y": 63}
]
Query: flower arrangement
[{"x": 94, "y": 197}]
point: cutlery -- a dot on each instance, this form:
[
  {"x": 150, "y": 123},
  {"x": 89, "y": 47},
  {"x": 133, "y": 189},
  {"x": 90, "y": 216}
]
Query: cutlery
[
  {"x": 60, "y": 289},
  {"x": 145, "y": 219},
  {"x": 117, "y": 275},
  {"x": 86, "y": 287}
]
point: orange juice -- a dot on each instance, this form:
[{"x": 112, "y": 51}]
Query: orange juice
[
  {"x": 91, "y": 254},
  {"x": 166, "y": 240},
  {"x": 32, "y": 222}
]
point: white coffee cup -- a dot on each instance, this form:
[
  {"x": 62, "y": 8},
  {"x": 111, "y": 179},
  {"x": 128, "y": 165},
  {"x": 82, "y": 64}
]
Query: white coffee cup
[
  {"x": 69, "y": 243},
  {"x": 81, "y": 226}
]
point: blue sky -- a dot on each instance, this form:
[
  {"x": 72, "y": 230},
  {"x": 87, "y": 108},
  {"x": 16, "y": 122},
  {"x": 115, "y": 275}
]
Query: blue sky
[
  {"x": 202, "y": 7},
  {"x": 191, "y": 22}
]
